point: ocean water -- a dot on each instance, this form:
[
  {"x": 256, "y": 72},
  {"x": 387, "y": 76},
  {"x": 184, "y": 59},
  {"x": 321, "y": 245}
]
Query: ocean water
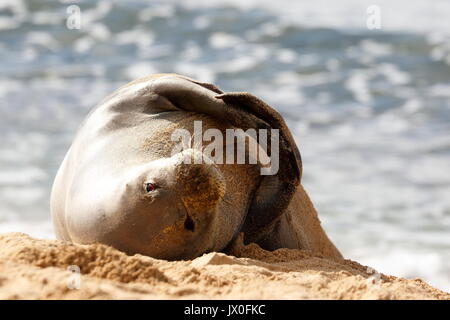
[{"x": 369, "y": 109}]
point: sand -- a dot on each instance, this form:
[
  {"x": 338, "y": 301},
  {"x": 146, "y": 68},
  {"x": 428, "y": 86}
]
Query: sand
[{"x": 38, "y": 269}]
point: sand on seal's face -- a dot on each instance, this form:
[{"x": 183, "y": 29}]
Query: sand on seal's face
[{"x": 37, "y": 269}]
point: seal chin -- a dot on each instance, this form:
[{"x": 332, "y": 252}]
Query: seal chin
[{"x": 186, "y": 238}]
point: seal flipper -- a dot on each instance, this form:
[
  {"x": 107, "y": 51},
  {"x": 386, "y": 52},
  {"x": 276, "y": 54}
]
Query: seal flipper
[
  {"x": 275, "y": 192},
  {"x": 263, "y": 111}
]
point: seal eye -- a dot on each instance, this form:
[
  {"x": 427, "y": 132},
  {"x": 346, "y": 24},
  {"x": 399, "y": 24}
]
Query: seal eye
[{"x": 149, "y": 187}]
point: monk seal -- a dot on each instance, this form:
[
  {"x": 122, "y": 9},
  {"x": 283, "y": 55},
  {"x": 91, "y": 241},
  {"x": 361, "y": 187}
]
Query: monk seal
[{"x": 120, "y": 183}]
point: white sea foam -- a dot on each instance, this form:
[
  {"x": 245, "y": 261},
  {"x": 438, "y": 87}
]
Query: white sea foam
[
  {"x": 412, "y": 264},
  {"x": 401, "y": 15},
  {"x": 37, "y": 229}
]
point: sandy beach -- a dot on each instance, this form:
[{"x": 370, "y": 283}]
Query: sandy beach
[{"x": 38, "y": 269}]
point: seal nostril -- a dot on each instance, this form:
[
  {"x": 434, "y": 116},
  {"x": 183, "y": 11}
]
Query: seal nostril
[{"x": 189, "y": 223}]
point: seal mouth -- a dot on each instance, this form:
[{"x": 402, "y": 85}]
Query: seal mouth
[{"x": 189, "y": 224}]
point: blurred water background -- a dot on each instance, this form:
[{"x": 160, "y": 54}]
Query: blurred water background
[{"x": 370, "y": 109}]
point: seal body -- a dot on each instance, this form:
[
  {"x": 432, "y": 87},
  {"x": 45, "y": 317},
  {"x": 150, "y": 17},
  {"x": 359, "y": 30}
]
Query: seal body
[{"x": 120, "y": 183}]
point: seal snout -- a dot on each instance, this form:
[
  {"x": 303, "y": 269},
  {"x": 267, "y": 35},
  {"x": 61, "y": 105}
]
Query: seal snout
[{"x": 202, "y": 186}]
